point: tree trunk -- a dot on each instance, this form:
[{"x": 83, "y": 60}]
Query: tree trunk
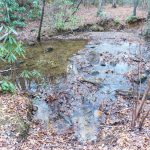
[
  {"x": 135, "y": 3},
  {"x": 148, "y": 16},
  {"x": 146, "y": 31},
  {"x": 41, "y": 21},
  {"x": 114, "y": 4},
  {"x": 100, "y": 7}
]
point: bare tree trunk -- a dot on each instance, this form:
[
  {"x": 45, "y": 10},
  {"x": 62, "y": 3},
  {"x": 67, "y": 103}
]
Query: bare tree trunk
[
  {"x": 41, "y": 21},
  {"x": 114, "y": 4},
  {"x": 148, "y": 16},
  {"x": 135, "y": 3},
  {"x": 146, "y": 31},
  {"x": 100, "y": 7}
]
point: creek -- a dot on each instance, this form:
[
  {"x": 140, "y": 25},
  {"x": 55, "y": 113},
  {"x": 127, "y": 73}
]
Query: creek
[{"x": 81, "y": 77}]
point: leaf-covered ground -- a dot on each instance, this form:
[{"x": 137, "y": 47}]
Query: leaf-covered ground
[
  {"x": 87, "y": 15},
  {"x": 115, "y": 134},
  {"x": 14, "y": 120}
]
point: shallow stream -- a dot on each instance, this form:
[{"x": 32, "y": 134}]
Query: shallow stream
[{"x": 83, "y": 78}]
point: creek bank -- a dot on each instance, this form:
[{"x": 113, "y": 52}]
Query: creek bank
[
  {"x": 94, "y": 76},
  {"x": 107, "y": 24}
]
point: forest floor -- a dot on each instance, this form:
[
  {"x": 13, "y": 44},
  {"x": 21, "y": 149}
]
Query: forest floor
[{"x": 87, "y": 16}]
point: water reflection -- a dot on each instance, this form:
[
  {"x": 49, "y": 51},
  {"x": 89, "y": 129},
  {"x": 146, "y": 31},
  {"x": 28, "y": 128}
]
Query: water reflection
[{"x": 93, "y": 75}]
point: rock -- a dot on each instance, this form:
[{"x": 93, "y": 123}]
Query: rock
[
  {"x": 90, "y": 46},
  {"x": 103, "y": 64},
  {"x": 49, "y": 49},
  {"x": 35, "y": 108},
  {"x": 147, "y": 68},
  {"x": 143, "y": 78},
  {"x": 94, "y": 81},
  {"x": 113, "y": 63},
  {"x": 93, "y": 57},
  {"x": 97, "y": 28},
  {"x": 31, "y": 43},
  {"x": 32, "y": 30},
  {"x": 94, "y": 73},
  {"x": 18, "y": 63}
]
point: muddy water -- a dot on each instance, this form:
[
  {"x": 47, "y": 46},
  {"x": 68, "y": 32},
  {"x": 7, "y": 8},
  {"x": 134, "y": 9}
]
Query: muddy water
[
  {"x": 51, "y": 58},
  {"x": 94, "y": 74}
]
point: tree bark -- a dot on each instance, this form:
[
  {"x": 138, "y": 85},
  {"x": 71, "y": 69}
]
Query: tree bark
[
  {"x": 100, "y": 6},
  {"x": 41, "y": 22},
  {"x": 135, "y": 3},
  {"x": 146, "y": 31},
  {"x": 148, "y": 16},
  {"x": 114, "y": 4}
]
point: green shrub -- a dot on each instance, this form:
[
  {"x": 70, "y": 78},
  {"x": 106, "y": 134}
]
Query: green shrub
[
  {"x": 10, "y": 48},
  {"x": 102, "y": 14},
  {"x": 15, "y": 12},
  {"x": 117, "y": 21},
  {"x": 11, "y": 12},
  {"x": 64, "y": 18},
  {"x": 131, "y": 19},
  {"x": 35, "y": 11},
  {"x": 30, "y": 74},
  {"x": 7, "y": 86}
]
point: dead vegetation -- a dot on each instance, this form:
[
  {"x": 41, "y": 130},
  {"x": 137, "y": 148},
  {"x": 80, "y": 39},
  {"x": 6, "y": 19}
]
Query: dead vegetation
[{"x": 14, "y": 119}]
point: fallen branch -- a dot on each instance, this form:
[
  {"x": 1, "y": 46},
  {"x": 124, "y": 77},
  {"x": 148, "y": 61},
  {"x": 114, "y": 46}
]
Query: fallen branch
[
  {"x": 143, "y": 100},
  {"x": 137, "y": 110},
  {"x": 10, "y": 69},
  {"x": 143, "y": 119}
]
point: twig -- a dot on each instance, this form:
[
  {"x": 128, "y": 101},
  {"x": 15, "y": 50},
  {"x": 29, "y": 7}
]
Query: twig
[
  {"x": 133, "y": 116},
  {"x": 143, "y": 119},
  {"x": 10, "y": 69},
  {"x": 143, "y": 100}
]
